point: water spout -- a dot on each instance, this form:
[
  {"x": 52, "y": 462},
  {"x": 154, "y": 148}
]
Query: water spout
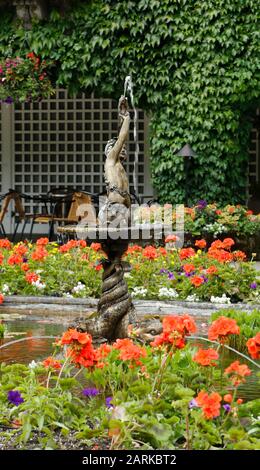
[
  {"x": 128, "y": 87},
  {"x": 26, "y": 339}
]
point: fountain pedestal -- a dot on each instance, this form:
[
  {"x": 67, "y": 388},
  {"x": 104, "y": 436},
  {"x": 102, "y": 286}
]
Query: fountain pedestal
[{"x": 115, "y": 308}]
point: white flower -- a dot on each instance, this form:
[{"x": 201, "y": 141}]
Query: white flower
[
  {"x": 38, "y": 284},
  {"x": 215, "y": 228},
  {"x": 169, "y": 293},
  {"x": 32, "y": 365},
  {"x": 192, "y": 298},
  {"x": 6, "y": 289},
  {"x": 139, "y": 292},
  {"x": 220, "y": 300},
  {"x": 68, "y": 295},
  {"x": 78, "y": 288}
]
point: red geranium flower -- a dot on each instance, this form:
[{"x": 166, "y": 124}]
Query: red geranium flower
[
  {"x": 239, "y": 255},
  {"x": 20, "y": 249},
  {"x": 42, "y": 241},
  {"x": 205, "y": 357},
  {"x": 74, "y": 336},
  {"x": 210, "y": 404},
  {"x": 1, "y": 298},
  {"x": 175, "y": 328},
  {"x": 237, "y": 372},
  {"x": 95, "y": 246},
  {"x": 212, "y": 270},
  {"x": 227, "y": 243},
  {"x": 186, "y": 253},
  {"x": 31, "y": 277},
  {"x": 129, "y": 351},
  {"x": 222, "y": 327},
  {"x": 15, "y": 259},
  {"x": 197, "y": 281},
  {"x": 228, "y": 398},
  {"x": 188, "y": 268},
  {"x": 1, "y": 258},
  {"x": 253, "y": 346},
  {"x": 25, "y": 267},
  {"x": 39, "y": 254},
  {"x": 4, "y": 243},
  {"x": 51, "y": 362},
  {"x": 150, "y": 252}
]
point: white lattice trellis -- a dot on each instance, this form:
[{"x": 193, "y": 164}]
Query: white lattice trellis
[{"x": 60, "y": 142}]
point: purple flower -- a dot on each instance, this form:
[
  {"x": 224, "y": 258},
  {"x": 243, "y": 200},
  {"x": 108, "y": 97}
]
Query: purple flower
[
  {"x": 205, "y": 278},
  {"x": 190, "y": 274},
  {"x": 193, "y": 404},
  {"x": 25, "y": 260},
  {"x": 108, "y": 402},
  {"x": 253, "y": 285},
  {"x": 90, "y": 392},
  {"x": 15, "y": 397},
  {"x": 163, "y": 271},
  {"x": 9, "y": 100},
  {"x": 201, "y": 204},
  {"x": 170, "y": 275},
  {"x": 227, "y": 408}
]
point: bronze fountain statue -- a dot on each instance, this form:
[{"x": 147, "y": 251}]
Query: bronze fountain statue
[{"x": 115, "y": 308}]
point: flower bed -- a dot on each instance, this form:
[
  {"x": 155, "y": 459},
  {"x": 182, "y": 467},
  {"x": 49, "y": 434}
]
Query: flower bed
[
  {"x": 219, "y": 275},
  {"x": 211, "y": 221},
  {"x": 168, "y": 395}
]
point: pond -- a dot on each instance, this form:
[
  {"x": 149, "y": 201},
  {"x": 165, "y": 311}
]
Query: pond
[{"x": 38, "y": 349}]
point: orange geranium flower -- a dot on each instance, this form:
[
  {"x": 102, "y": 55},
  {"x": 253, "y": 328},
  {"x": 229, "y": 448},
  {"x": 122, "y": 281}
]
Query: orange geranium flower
[
  {"x": 217, "y": 245},
  {"x": 134, "y": 248},
  {"x": 162, "y": 251},
  {"x": 175, "y": 328},
  {"x": 1, "y": 258},
  {"x": 39, "y": 254},
  {"x": 74, "y": 336},
  {"x": 15, "y": 259},
  {"x": 210, "y": 404},
  {"x": 171, "y": 238},
  {"x": 4, "y": 243},
  {"x": 150, "y": 252},
  {"x": 50, "y": 362},
  {"x": 186, "y": 253},
  {"x": 197, "y": 281},
  {"x": 188, "y": 268},
  {"x": 239, "y": 255},
  {"x": 228, "y": 398},
  {"x": 205, "y": 357},
  {"x": 25, "y": 267},
  {"x": 1, "y": 298},
  {"x": 220, "y": 255},
  {"x": 222, "y": 327},
  {"x": 227, "y": 243},
  {"x": 201, "y": 243},
  {"x": 68, "y": 246},
  {"x": 237, "y": 372},
  {"x": 253, "y": 346},
  {"x": 42, "y": 241},
  {"x": 212, "y": 270},
  {"x": 95, "y": 246},
  {"x": 20, "y": 249},
  {"x": 129, "y": 351}
]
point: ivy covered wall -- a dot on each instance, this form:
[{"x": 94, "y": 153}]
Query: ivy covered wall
[{"x": 196, "y": 69}]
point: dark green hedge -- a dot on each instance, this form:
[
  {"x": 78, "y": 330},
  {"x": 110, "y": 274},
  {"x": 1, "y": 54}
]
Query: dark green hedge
[{"x": 196, "y": 69}]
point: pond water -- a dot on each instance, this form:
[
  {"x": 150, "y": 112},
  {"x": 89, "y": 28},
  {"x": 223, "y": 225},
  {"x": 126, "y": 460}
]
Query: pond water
[{"x": 39, "y": 348}]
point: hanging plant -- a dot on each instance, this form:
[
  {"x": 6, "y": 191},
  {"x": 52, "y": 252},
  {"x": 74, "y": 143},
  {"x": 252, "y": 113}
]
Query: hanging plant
[{"x": 24, "y": 79}]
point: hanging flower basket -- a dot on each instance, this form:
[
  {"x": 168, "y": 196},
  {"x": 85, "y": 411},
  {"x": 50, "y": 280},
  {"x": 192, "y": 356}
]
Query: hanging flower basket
[{"x": 24, "y": 79}]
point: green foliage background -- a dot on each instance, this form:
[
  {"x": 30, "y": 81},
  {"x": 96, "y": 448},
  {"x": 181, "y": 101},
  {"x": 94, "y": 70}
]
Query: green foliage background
[{"x": 196, "y": 69}]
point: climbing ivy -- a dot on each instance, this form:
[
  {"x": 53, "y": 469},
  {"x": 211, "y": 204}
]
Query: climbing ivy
[{"x": 196, "y": 69}]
